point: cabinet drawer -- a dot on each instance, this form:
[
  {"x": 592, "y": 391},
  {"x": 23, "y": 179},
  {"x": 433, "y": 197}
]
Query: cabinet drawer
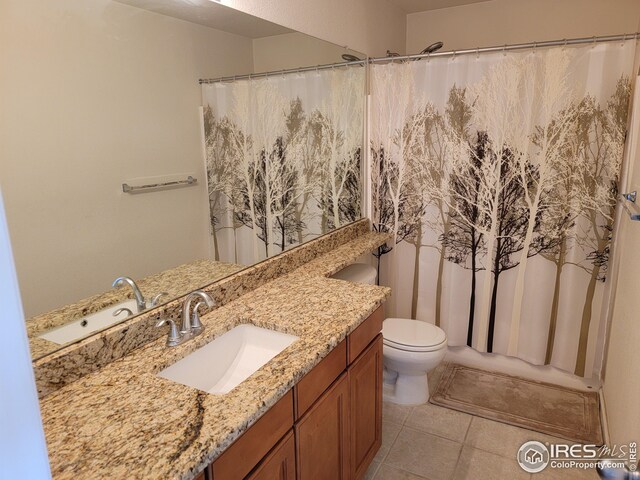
[
  {"x": 280, "y": 464},
  {"x": 246, "y": 452},
  {"x": 365, "y": 333},
  {"x": 314, "y": 383}
]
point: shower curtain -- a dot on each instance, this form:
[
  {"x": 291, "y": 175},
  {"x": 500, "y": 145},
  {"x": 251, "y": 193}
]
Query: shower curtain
[
  {"x": 497, "y": 176},
  {"x": 283, "y": 159}
]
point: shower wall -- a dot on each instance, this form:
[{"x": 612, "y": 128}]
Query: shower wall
[
  {"x": 292, "y": 50},
  {"x": 515, "y": 21}
]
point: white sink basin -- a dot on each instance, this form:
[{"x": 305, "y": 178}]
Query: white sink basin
[
  {"x": 84, "y": 326},
  {"x": 229, "y": 360}
]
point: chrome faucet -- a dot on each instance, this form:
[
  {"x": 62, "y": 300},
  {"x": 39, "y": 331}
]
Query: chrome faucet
[
  {"x": 187, "y": 324},
  {"x": 191, "y": 325},
  {"x": 140, "y": 301}
]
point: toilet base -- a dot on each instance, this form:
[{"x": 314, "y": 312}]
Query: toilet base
[{"x": 405, "y": 389}]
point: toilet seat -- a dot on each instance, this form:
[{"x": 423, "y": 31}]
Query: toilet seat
[{"x": 412, "y": 335}]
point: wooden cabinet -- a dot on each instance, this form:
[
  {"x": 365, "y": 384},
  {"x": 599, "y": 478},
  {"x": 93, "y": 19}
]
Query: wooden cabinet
[
  {"x": 280, "y": 463},
  {"x": 365, "y": 396},
  {"x": 245, "y": 453},
  {"x": 322, "y": 436}
]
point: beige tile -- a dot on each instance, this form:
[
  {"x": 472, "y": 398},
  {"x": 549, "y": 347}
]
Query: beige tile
[
  {"x": 500, "y": 438},
  {"x": 440, "y": 421},
  {"x": 394, "y": 413},
  {"x": 389, "y": 433},
  {"x": 424, "y": 454},
  {"x": 387, "y": 472},
  {"x": 371, "y": 471},
  {"x": 477, "y": 464}
]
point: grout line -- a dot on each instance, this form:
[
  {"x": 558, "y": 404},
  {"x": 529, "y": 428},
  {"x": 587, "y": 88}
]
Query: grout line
[
  {"x": 466, "y": 434},
  {"x": 393, "y": 442}
]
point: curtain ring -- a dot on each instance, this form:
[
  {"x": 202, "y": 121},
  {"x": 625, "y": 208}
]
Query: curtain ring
[
  {"x": 477, "y": 53},
  {"x": 624, "y": 39},
  {"x": 565, "y": 44},
  {"x": 454, "y": 55},
  {"x": 594, "y": 42},
  {"x": 428, "y": 57},
  {"x": 535, "y": 45},
  {"x": 504, "y": 50}
]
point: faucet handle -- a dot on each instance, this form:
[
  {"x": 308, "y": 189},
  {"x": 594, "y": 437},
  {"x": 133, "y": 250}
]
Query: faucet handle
[
  {"x": 121, "y": 310},
  {"x": 174, "y": 337},
  {"x": 155, "y": 300},
  {"x": 196, "y": 324}
]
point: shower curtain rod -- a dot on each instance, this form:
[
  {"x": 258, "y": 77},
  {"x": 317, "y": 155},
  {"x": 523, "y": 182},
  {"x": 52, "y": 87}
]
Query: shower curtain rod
[
  {"x": 516, "y": 46},
  {"x": 451, "y": 53},
  {"x": 280, "y": 72}
]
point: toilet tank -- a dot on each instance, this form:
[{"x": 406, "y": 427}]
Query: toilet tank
[{"x": 358, "y": 273}]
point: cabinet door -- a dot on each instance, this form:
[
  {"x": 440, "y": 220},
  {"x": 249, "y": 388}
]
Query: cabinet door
[
  {"x": 365, "y": 385},
  {"x": 322, "y": 436},
  {"x": 280, "y": 464}
]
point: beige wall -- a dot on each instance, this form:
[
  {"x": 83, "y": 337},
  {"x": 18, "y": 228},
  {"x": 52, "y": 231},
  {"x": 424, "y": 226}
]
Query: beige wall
[
  {"x": 368, "y": 26},
  {"x": 93, "y": 93},
  {"x": 622, "y": 363},
  {"x": 293, "y": 50},
  {"x": 518, "y": 21}
]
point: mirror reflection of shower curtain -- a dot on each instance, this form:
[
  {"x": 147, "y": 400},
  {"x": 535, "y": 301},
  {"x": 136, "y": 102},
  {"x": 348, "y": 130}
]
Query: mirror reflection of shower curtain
[
  {"x": 283, "y": 159},
  {"x": 497, "y": 174}
]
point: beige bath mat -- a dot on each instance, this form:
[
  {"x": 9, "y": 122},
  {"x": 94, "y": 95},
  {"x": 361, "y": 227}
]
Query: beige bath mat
[{"x": 545, "y": 408}]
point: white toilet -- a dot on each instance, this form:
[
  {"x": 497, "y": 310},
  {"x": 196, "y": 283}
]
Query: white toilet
[{"x": 411, "y": 348}]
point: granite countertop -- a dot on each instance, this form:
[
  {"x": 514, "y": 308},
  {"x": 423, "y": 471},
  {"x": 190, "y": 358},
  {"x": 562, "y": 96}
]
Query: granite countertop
[{"x": 124, "y": 421}]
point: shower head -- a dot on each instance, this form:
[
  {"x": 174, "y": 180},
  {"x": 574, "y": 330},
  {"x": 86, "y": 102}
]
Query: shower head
[
  {"x": 392, "y": 54},
  {"x": 347, "y": 57},
  {"x": 434, "y": 47}
]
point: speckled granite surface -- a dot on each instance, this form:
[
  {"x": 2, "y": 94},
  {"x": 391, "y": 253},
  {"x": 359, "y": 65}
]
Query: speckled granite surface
[
  {"x": 344, "y": 255},
  {"x": 71, "y": 363},
  {"x": 175, "y": 281},
  {"x": 125, "y": 422}
]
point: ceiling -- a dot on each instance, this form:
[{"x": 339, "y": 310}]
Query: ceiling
[
  {"x": 211, "y": 14},
  {"x": 413, "y": 6}
]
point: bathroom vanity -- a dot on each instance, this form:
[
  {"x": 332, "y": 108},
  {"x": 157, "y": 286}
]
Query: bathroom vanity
[
  {"x": 313, "y": 411},
  {"x": 331, "y": 418}
]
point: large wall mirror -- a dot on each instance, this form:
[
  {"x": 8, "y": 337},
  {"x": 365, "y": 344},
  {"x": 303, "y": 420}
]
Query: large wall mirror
[{"x": 123, "y": 154}]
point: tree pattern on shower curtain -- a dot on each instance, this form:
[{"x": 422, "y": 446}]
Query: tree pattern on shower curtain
[
  {"x": 512, "y": 175},
  {"x": 283, "y": 159}
]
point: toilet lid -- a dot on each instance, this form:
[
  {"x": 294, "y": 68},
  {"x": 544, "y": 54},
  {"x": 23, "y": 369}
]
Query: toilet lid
[{"x": 410, "y": 334}]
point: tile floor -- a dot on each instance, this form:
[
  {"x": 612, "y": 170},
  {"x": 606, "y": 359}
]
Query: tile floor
[{"x": 429, "y": 442}]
